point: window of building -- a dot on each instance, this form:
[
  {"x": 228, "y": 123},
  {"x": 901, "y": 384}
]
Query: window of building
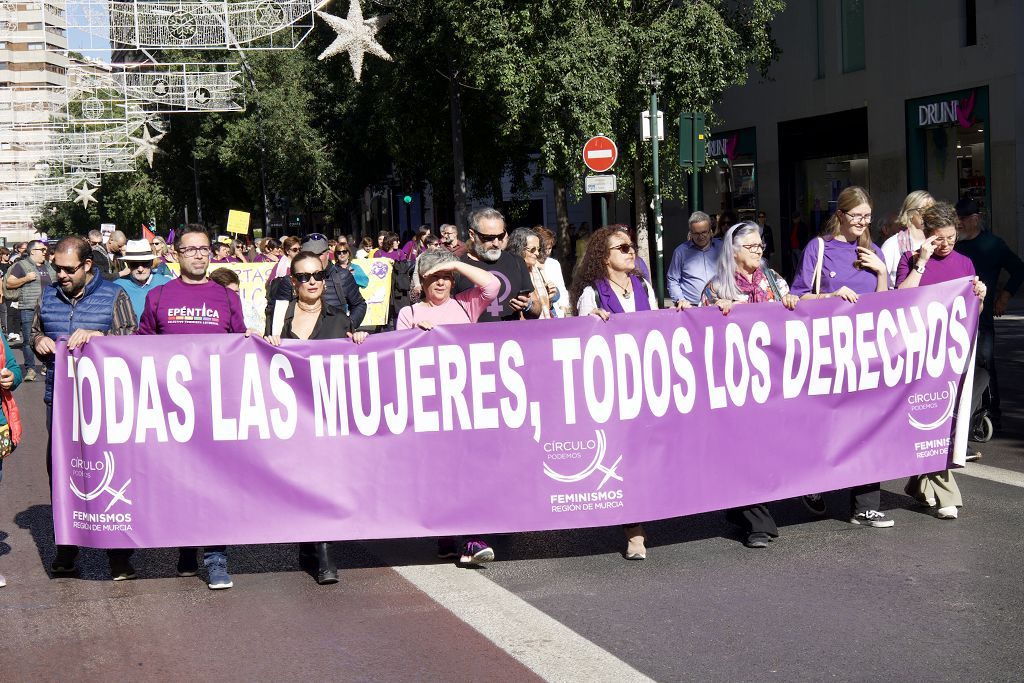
[
  {"x": 852, "y": 15},
  {"x": 36, "y": 46},
  {"x": 969, "y": 22},
  {"x": 3, "y": 44},
  {"x": 34, "y": 26}
]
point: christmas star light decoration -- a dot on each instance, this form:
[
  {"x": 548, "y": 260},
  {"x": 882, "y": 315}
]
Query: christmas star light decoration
[
  {"x": 146, "y": 144},
  {"x": 85, "y": 194},
  {"x": 356, "y": 36}
]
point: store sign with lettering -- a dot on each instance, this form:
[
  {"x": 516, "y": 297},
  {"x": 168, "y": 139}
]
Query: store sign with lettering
[{"x": 948, "y": 112}]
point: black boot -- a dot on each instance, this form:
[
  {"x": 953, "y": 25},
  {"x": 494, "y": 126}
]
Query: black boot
[{"x": 326, "y": 572}]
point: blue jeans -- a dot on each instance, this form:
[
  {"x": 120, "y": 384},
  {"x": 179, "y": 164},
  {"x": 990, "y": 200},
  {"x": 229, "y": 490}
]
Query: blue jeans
[{"x": 26, "y": 338}]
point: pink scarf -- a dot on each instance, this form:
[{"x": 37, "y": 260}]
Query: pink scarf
[{"x": 755, "y": 289}]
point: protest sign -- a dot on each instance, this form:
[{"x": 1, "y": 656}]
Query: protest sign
[{"x": 519, "y": 426}]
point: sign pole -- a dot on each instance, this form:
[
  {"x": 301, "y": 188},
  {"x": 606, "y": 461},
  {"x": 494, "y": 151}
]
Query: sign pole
[
  {"x": 604, "y": 210},
  {"x": 659, "y": 258}
]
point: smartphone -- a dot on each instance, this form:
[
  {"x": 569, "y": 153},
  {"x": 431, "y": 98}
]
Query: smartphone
[{"x": 525, "y": 292}]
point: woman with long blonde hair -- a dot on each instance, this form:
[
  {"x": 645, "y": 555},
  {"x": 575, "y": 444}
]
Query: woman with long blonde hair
[
  {"x": 845, "y": 263},
  {"x": 910, "y": 235}
]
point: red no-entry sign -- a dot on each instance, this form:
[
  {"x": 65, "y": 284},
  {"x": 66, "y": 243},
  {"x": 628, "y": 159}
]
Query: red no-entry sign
[{"x": 600, "y": 153}]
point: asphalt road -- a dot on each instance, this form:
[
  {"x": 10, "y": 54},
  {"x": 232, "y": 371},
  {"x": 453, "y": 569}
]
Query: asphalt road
[{"x": 927, "y": 600}]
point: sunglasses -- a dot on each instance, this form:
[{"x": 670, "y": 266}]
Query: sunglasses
[
  {"x": 68, "y": 270},
  {"x": 490, "y": 238},
  {"x": 306, "y": 277},
  {"x": 342, "y": 251},
  {"x": 625, "y": 248}
]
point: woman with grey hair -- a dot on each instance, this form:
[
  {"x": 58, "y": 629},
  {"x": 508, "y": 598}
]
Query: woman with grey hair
[
  {"x": 742, "y": 277},
  {"x": 437, "y": 306},
  {"x": 525, "y": 243}
]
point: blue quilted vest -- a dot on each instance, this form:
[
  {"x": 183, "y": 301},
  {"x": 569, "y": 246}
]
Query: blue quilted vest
[{"x": 59, "y": 316}]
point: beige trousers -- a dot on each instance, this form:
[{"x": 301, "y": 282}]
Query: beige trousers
[{"x": 939, "y": 485}]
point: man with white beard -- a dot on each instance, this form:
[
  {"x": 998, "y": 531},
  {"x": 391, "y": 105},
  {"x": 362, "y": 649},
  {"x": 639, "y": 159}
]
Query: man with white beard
[{"x": 488, "y": 239}]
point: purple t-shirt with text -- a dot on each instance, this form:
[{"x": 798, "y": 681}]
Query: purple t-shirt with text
[
  {"x": 180, "y": 308},
  {"x": 938, "y": 269},
  {"x": 837, "y": 269}
]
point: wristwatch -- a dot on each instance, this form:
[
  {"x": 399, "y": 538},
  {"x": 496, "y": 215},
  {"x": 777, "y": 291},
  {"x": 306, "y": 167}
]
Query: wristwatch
[{"x": 919, "y": 268}]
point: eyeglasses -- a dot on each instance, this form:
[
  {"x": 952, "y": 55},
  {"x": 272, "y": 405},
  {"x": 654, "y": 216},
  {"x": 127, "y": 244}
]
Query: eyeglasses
[
  {"x": 39, "y": 249},
  {"x": 142, "y": 264},
  {"x": 754, "y": 248},
  {"x": 944, "y": 240},
  {"x": 195, "y": 251},
  {"x": 68, "y": 270},
  {"x": 532, "y": 250},
  {"x": 293, "y": 250},
  {"x": 342, "y": 251},
  {"x": 305, "y": 277},
  {"x": 702, "y": 233},
  {"x": 489, "y": 238},
  {"x": 624, "y": 248},
  {"x": 858, "y": 217}
]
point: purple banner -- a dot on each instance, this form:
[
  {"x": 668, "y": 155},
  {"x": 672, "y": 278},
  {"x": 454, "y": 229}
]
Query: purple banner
[{"x": 524, "y": 426}]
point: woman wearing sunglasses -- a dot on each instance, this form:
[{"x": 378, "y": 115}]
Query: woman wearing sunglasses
[
  {"x": 525, "y": 243},
  {"x": 308, "y": 317},
  {"x": 607, "y": 281}
]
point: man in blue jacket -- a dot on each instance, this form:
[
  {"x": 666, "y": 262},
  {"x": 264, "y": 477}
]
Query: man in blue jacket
[{"x": 80, "y": 305}]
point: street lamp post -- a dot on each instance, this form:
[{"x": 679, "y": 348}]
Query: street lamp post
[{"x": 659, "y": 258}]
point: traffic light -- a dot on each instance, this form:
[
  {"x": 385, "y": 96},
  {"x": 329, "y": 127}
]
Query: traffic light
[{"x": 407, "y": 199}]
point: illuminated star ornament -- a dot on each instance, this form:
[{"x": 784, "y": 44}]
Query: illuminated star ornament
[
  {"x": 85, "y": 194},
  {"x": 356, "y": 36},
  {"x": 147, "y": 144}
]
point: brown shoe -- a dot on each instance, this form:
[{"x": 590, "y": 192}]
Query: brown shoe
[
  {"x": 30, "y": 376},
  {"x": 635, "y": 538}
]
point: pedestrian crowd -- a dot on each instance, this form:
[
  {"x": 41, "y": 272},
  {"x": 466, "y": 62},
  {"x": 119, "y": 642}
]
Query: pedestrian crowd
[{"x": 83, "y": 287}]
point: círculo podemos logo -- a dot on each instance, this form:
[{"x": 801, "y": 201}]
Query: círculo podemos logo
[
  {"x": 97, "y": 478},
  {"x": 928, "y": 411},
  {"x": 578, "y": 462}
]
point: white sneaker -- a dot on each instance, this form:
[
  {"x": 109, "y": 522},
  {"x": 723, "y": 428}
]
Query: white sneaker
[
  {"x": 872, "y": 518},
  {"x": 3, "y": 581},
  {"x": 948, "y": 512}
]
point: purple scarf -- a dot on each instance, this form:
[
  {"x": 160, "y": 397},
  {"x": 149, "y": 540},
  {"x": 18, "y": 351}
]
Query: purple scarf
[{"x": 607, "y": 299}]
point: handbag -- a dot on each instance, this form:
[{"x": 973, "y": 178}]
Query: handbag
[
  {"x": 817, "y": 268},
  {"x": 10, "y": 433}
]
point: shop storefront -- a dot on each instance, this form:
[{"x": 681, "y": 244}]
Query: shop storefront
[
  {"x": 818, "y": 158},
  {"x": 948, "y": 146},
  {"x": 730, "y": 183}
]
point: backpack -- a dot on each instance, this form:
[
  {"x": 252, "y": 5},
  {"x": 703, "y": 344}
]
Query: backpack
[{"x": 10, "y": 295}]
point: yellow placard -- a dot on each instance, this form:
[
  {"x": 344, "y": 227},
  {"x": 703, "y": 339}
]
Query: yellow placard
[
  {"x": 238, "y": 222},
  {"x": 378, "y": 292}
]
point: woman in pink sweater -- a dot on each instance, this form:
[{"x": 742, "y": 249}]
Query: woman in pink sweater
[{"x": 437, "y": 270}]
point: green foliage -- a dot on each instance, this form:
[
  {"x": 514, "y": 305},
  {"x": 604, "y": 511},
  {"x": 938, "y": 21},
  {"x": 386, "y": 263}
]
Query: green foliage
[{"x": 535, "y": 79}]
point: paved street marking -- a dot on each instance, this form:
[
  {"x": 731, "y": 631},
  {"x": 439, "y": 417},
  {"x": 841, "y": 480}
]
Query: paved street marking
[
  {"x": 997, "y": 474},
  {"x": 548, "y": 648}
]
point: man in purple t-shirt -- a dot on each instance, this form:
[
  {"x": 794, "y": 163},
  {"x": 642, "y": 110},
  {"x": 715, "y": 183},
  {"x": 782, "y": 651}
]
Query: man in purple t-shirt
[{"x": 194, "y": 304}]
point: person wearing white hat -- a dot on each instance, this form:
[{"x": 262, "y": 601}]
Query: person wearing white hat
[{"x": 138, "y": 255}]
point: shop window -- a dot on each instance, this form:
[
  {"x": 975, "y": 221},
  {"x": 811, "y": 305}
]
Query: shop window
[
  {"x": 969, "y": 21},
  {"x": 853, "y": 35},
  {"x": 819, "y": 182}
]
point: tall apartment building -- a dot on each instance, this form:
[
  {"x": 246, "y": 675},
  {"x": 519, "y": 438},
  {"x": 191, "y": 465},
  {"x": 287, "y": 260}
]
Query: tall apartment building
[{"x": 33, "y": 73}]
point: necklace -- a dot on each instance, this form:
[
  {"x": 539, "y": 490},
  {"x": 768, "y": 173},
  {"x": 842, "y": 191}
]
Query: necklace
[
  {"x": 626, "y": 293},
  {"x": 308, "y": 309}
]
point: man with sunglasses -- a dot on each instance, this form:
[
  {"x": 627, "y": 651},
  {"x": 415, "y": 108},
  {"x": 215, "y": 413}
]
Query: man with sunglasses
[
  {"x": 79, "y": 305},
  {"x": 488, "y": 240},
  {"x": 340, "y": 289},
  {"x": 194, "y": 304},
  {"x": 141, "y": 280},
  {"x": 30, "y": 276},
  {"x": 693, "y": 261}
]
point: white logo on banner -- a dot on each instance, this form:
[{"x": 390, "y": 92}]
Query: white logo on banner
[
  {"x": 596, "y": 465},
  {"x": 107, "y": 469},
  {"x": 929, "y": 401}
]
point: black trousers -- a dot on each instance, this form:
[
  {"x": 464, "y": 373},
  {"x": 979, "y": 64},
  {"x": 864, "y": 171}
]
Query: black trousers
[{"x": 753, "y": 519}]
